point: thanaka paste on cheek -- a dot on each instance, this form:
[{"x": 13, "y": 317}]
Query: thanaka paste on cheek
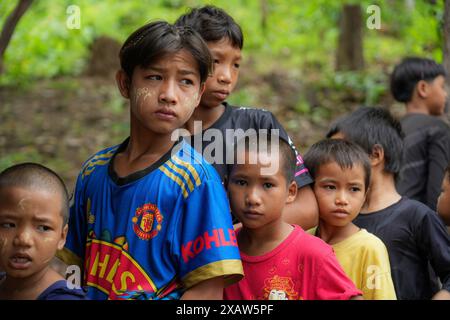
[{"x": 141, "y": 94}]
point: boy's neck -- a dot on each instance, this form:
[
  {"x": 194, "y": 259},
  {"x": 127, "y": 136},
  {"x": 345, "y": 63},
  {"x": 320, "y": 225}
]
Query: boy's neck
[
  {"x": 333, "y": 234},
  {"x": 415, "y": 106},
  {"x": 256, "y": 242},
  {"x": 382, "y": 193},
  {"x": 28, "y": 288},
  {"x": 207, "y": 116},
  {"x": 144, "y": 149}
]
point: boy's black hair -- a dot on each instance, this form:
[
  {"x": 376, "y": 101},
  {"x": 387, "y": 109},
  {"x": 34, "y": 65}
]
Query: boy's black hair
[
  {"x": 35, "y": 176},
  {"x": 345, "y": 153},
  {"x": 157, "y": 39},
  {"x": 409, "y": 72},
  {"x": 372, "y": 126},
  {"x": 264, "y": 142},
  {"x": 213, "y": 24}
]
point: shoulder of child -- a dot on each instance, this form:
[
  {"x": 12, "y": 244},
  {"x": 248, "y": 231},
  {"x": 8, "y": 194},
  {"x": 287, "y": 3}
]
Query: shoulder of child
[
  {"x": 99, "y": 158},
  {"x": 60, "y": 290},
  {"x": 371, "y": 242},
  {"x": 313, "y": 246},
  {"x": 190, "y": 161}
]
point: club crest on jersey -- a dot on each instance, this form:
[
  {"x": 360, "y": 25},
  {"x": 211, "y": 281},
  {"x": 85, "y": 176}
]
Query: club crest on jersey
[{"x": 147, "y": 221}]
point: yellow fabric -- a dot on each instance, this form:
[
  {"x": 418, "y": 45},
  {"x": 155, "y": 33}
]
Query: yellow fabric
[
  {"x": 69, "y": 258},
  {"x": 232, "y": 271},
  {"x": 365, "y": 260}
]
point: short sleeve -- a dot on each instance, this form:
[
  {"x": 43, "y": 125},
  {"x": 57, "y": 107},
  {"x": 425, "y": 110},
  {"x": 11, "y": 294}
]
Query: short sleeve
[
  {"x": 331, "y": 281},
  {"x": 205, "y": 244},
  {"x": 377, "y": 279},
  {"x": 73, "y": 252}
]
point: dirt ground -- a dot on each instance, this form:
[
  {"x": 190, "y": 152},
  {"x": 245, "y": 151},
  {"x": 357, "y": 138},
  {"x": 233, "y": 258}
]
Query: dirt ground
[{"x": 61, "y": 122}]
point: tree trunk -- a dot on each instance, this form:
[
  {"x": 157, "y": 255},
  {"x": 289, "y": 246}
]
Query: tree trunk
[
  {"x": 447, "y": 49},
  {"x": 264, "y": 4},
  {"x": 10, "y": 25},
  {"x": 350, "y": 46}
]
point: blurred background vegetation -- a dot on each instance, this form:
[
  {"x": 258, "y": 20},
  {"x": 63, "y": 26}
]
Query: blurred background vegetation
[{"x": 59, "y": 103}]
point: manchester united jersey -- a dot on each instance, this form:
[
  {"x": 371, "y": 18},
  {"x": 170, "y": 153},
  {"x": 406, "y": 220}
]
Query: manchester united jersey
[{"x": 154, "y": 233}]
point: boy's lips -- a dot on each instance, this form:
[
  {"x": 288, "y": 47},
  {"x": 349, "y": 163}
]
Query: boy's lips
[
  {"x": 20, "y": 261},
  {"x": 252, "y": 214},
  {"x": 165, "y": 114},
  {"x": 341, "y": 213},
  {"x": 221, "y": 94}
]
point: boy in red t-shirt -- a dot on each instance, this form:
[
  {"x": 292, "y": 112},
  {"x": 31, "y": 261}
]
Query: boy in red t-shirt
[{"x": 281, "y": 261}]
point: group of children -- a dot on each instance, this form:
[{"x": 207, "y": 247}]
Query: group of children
[{"x": 151, "y": 218}]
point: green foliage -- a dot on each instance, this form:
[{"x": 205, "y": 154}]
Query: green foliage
[{"x": 298, "y": 34}]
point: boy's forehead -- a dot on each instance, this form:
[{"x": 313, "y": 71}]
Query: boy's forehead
[
  {"x": 29, "y": 198},
  {"x": 334, "y": 168},
  {"x": 182, "y": 60},
  {"x": 224, "y": 43}
]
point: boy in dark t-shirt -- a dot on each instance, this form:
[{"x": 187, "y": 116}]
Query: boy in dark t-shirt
[
  {"x": 420, "y": 84},
  {"x": 221, "y": 123},
  {"x": 413, "y": 234}
]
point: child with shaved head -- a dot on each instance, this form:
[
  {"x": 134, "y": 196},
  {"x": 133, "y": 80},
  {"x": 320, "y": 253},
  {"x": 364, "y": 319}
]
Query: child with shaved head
[{"x": 34, "y": 207}]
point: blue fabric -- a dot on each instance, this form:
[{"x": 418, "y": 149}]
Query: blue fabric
[
  {"x": 154, "y": 233},
  {"x": 60, "y": 291}
]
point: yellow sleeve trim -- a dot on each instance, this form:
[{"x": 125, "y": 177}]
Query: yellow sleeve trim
[
  {"x": 231, "y": 270},
  {"x": 69, "y": 258}
]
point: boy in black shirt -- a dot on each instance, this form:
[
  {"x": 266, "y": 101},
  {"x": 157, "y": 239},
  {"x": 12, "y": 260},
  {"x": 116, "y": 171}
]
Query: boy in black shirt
[
  {"x": 419, "y": 83},
  {"x": 414, "y": 235},
  {"x": 221, "y": 123}
]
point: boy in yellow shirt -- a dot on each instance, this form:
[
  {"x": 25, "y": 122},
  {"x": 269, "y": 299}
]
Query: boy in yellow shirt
[{"x": 341, "y": 171}]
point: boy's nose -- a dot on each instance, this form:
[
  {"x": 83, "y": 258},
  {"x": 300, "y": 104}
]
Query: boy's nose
[
  {"x": 224, "y": 75},
  {"x": 252, "y": 198},
  {"x": 341, "y": 199},
  {"x": 168, "y": 93},
  {"x": 23, "y": 239}
]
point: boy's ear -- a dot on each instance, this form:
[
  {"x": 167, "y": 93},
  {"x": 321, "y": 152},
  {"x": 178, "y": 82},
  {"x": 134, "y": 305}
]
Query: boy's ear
[
  {"x": 422, "y": 89},
  {"x": 62, "y": 241},
  {"x": 202, "y": 90},
  {"x": 123, "y": 83},
  {"x": 377, "y": 155},
  {"x": 292, "y": 192}
]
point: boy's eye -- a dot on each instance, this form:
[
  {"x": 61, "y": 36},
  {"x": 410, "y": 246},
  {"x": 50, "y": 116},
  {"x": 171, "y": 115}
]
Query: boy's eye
[
  {"x": 237, "y": 65},
  {"x": 355, "y": 189},
  {"x": 153, "y": 77},
  {"x": 240, "y": 182},
  {"x": 329, "y": 187},
  {"x": 7, "y": 225},
  {"x": 187, "y": 82},
  {"x": 216, "y": 60},
  {"x": 268, "y": 185},
  {"x": 43, "y": 228}
]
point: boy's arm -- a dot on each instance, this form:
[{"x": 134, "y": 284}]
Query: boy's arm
[
  {"x": 304, "y": 210},
  {"x": 442, "y": 295},
  {"x": 211, "y": 289},
  {"x": 204, "y": 243}
]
